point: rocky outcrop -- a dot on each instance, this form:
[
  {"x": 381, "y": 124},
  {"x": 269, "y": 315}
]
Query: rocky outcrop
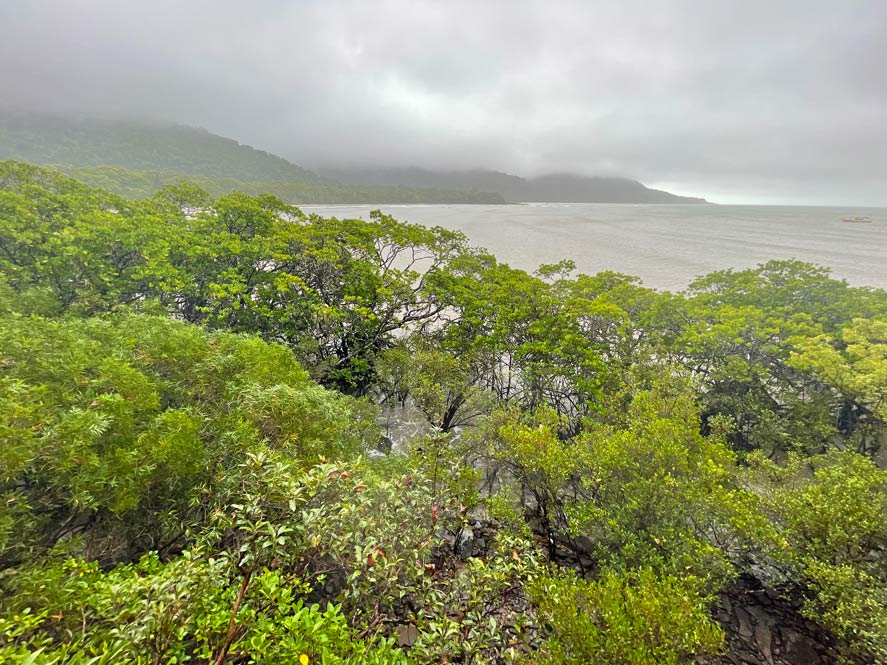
[{"x": 764, "y": 627}]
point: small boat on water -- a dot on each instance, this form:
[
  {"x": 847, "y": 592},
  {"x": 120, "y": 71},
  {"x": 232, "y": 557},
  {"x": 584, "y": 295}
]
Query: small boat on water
[{"x": 856, "y": 220}]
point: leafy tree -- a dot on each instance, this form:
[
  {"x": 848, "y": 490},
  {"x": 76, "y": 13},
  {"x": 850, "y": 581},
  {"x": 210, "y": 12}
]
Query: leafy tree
[
  {"x": 525, "y": 345},
  {"x": 443, "y": 387},
  {"x": 656, "y": 493},
  {"x": 114, "y": 429},
  {"x": 854, "y": 366},
  {"x": 737, "y": 332},
  {"x": 336, "y": 291},
  {"x": 831, "y": 512}
]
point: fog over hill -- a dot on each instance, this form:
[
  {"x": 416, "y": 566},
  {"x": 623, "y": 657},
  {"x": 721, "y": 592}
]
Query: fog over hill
[
  {"x": 741, "y": 102},
  {"x": 555, "y": 187},
  {"x": 80, "y": 140},
  {"x": 145, "y": 146}
]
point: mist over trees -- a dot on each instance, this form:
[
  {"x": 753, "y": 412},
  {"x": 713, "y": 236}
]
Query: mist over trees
[{"x": 136, "y": 158}]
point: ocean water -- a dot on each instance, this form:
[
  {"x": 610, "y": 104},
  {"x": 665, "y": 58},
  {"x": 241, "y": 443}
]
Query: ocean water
[{"x": 665, "y": 245}]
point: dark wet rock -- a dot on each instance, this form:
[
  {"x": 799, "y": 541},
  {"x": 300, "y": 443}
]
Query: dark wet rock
[
  {"x": 764, "y": 638},
  {"x": 407, "y": 634},
  {"x": 583, "y": 545},
  {"x": 465, "y": 543},
  {"x": 385, "y": 444},
  {"x": 763, "y": 626},
  {"x": 799, "y": 649},
  {"x": 745, "y": 622}
]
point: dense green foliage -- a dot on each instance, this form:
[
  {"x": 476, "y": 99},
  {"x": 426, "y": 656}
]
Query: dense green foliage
[
  {"x": 191, "y": 468},
  {"x": 629, "y": 619},
  {"x": 132, "y": 416}
]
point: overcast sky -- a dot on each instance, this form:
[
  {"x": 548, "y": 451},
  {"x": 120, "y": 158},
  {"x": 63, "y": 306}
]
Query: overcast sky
[{"x": 737, "y": 101}]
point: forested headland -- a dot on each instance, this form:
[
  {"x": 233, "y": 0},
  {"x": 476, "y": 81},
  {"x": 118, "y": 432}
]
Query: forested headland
[
  {"x": 550, "y": 188},
  {"x": 136, "y": 158},
  {"x": 143, "y": 184},
  {"x": 139, "y": 146},
  {"x": 192, "y": 467}
]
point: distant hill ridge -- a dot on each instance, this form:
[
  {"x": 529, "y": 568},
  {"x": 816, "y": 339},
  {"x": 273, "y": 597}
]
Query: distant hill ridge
[
  {"x": 553, "y": 188},
  {"x": 140, "y": 184},
  {"x": 157, "y": 148},
  {"x": 141, "y": 146}
]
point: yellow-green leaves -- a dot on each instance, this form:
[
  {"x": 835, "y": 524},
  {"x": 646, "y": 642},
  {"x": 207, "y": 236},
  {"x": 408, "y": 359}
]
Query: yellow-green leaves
[
  {"x": 632, "y": 618},
  {"x": 831, "y": 514},
  {"x": 854, "y": 364},
  {"x": 123, "y": 426}
]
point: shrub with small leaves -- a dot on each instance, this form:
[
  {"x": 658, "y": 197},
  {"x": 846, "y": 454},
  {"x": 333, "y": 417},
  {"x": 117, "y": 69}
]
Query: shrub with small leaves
[{"x": 627, "y": 618}]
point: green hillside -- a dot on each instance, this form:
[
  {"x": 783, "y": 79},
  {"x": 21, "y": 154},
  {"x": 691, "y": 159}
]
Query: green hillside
[
  {"x": 135, "y": 159},
  {"x": 552, "y": 188},
  {"x": 55, "y": 139},
  {"x": 142, "y": 184}
]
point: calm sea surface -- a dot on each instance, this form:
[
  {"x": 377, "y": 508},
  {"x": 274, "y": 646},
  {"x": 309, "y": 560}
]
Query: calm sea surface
[{"x": 666, "y": 245}]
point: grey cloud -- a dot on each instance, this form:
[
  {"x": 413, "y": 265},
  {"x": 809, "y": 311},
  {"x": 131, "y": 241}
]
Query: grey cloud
[{"x": 782, "y": 101}]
